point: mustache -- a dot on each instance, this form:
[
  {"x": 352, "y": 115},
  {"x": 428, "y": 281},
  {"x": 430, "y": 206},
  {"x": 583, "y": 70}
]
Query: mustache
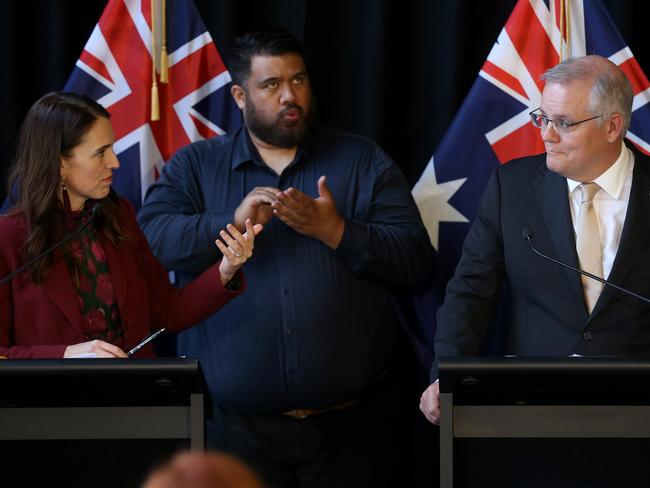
[{"x": 290, "y": 106}]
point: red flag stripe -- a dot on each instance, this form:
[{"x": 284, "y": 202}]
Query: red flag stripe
[
  {"x": 531, "y": 41},
  {"x": 95, "y": 64},
  {"x": 504, "y": 77}
]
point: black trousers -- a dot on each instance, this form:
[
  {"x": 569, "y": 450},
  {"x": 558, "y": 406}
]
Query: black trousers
[{"x": 351, "y": 447}]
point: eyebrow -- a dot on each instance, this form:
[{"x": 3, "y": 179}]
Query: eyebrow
[
  {"x": 271, "y": 79},
  {"x": 102, "y": 148},
  {"x": 559, "y": 116}
]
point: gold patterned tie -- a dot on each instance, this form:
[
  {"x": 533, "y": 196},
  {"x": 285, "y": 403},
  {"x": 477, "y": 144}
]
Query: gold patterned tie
[{"x": 590, "y": 253}]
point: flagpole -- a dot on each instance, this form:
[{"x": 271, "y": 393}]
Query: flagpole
[{"x": 155, "y": 108}]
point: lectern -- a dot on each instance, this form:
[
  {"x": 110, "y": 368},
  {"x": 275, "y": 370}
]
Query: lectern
[
  {"x": 97, "y": 409},
  {"x": 586, "y": 418}
]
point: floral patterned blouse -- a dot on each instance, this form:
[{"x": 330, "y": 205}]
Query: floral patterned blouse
[{"x": 99, "y": 311}]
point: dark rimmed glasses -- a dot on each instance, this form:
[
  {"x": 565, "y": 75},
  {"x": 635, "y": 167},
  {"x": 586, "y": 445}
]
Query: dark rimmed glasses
[{"x": 561, "y": 126}]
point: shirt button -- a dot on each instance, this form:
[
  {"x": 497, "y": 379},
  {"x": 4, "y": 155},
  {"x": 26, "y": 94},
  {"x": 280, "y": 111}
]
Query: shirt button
[
  {"x": 291, "y": 370},
  {"x": 586, "y": 336},
  {"x": 289, "y": 330},
  {"x": 286, "y": 291}
]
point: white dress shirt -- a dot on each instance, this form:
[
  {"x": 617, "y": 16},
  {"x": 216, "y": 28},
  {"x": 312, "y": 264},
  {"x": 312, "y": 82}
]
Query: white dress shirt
[{"x": 610, "y": 204}]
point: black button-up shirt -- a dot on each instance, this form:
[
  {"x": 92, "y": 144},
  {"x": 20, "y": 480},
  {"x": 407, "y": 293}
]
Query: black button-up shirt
[{"x": 315, "y": 326}]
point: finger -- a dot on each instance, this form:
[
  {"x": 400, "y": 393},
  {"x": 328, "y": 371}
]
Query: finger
[
  {"x": 234, "y": 231},
  {"x": 230, "y": 256},
  {"x": 293, "y": 210},
  {"x": 433, "y": 419},
  {"x": 266, "y": 189},
  {"x": 230, "y": 242},
  {"x": 249, "y": 237},
  {"x": 121, "y": 353},
  {"x": 112, "y": 349},
  {"x": 263, "y": 194},
  {"x": 323, "y": 189},
  {"x": 299, "y": 196},
  {"x": 294, "y": 199},
  {"x": 244, "y": 246},
  {"x": 257, "y": 228},
  {"x": 287, "y": 200},
  {"x": 285, "y": 214},
  {"x": 106, "y": 349},
  {"x": 246, "y": 241},
  {"x": 430, "y": 416}
]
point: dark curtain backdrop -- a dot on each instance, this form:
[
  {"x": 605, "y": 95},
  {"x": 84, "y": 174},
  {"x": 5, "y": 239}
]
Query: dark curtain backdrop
[{"x": 393, "y": 70}]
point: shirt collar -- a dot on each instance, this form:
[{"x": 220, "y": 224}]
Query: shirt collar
[
  {"x": 245, "y": 151},
  {"x": 613, "y": 179}
]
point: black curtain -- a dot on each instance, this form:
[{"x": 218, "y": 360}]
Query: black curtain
[{"x": 394, "y": 71}]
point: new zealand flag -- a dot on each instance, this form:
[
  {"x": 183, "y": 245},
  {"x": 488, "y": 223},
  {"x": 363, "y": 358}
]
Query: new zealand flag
[{"x": 115, "y": 68}]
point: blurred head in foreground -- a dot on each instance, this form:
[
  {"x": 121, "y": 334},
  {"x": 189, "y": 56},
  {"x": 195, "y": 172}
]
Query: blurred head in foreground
[{"x": 203, "y": 470}]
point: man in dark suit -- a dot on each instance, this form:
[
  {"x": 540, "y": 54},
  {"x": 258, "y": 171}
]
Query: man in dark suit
[{"x": 585, "y": 202}]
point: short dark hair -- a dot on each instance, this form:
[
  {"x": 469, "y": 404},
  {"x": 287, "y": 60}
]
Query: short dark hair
[{"x": 267, "y": 42}]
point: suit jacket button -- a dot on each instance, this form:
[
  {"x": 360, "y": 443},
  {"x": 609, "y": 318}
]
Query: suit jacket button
[{"x": 586, "y": 336}]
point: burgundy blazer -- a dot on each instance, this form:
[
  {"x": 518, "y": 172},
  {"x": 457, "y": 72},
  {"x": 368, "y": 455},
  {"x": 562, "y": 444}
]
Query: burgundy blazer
[{"x": 40, "y": 321}]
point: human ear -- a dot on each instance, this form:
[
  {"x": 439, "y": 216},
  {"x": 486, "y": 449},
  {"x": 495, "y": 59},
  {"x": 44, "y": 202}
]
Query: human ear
[
  {"x": 614, "y": 127},
  {"x": 239, "y": 96}
]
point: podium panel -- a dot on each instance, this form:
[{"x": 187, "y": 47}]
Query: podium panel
[
  {"x": 98, "y": 422},
  {"x": 544, "y": 422}
]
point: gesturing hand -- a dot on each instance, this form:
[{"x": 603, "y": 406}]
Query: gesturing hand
[
  {"x": 256, "y": 206},
  {"x": 237, "y": 249},
  {"x": 313, "y": 217}
]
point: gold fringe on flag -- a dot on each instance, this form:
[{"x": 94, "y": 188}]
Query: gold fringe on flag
[
  {"x": 164, "y": 63},
  {"x": 155, "y": 107}
]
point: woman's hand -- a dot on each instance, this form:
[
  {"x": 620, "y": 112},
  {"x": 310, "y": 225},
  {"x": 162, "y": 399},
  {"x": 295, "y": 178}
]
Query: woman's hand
[
  {"x": 237, "y": 249},
  {"x": 99, "y": 348}
]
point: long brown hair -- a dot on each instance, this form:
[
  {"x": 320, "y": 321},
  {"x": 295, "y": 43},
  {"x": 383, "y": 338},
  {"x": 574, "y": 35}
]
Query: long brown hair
[{"x": 52, "y": 128}]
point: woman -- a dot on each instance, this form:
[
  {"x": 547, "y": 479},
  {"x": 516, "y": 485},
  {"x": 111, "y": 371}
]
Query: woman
[{"x": 103, "y": 291}]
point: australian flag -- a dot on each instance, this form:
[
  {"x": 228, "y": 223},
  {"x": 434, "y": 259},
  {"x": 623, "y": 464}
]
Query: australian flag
[
  {"x": 115, "y": 68},
  {"x": 493, "y": 126}
]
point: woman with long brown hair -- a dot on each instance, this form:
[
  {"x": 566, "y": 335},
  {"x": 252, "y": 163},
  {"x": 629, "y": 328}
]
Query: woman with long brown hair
[{"x": 103, "y": 290}]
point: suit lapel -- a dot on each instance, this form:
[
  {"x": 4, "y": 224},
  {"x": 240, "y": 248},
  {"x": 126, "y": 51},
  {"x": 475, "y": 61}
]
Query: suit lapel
[
  {"x": 635, "y": 230},
  {"x": 60, "y": 290},
  {"x": 551, "y": 192},
  {"x": 58, "y": 287}
]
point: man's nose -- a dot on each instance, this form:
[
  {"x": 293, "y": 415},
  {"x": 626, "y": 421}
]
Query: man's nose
[
  {"x": 287, "y": 95},
  {"x": 549, "y": 133}
]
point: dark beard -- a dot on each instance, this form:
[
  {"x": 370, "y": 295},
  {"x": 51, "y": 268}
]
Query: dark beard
[{"x": 276, "y": 132}]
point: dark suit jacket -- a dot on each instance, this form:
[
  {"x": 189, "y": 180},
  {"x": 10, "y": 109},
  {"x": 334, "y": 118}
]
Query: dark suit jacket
[
  {"x": 42, "y": 320},
  {"x": 547, "y": 314}
]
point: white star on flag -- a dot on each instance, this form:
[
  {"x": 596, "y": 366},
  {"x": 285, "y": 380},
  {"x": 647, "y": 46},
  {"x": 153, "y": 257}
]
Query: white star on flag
[{"x": 432, "y": 200}]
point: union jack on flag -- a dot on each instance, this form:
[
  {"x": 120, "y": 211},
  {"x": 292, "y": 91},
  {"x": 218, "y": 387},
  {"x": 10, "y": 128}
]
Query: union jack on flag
[
  {"x": 115, "y": 68},
  {"x": 493, "y": 126}
]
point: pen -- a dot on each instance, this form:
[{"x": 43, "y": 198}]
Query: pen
[{"x": 145, "y": 341}]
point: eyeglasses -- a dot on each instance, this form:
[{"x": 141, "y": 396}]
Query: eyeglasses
[{"x": 561, "y": 126}]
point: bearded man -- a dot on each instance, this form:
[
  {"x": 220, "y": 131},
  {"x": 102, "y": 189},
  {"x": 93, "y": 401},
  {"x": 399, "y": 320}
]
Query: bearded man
[{"x": 299, "y": 366}]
